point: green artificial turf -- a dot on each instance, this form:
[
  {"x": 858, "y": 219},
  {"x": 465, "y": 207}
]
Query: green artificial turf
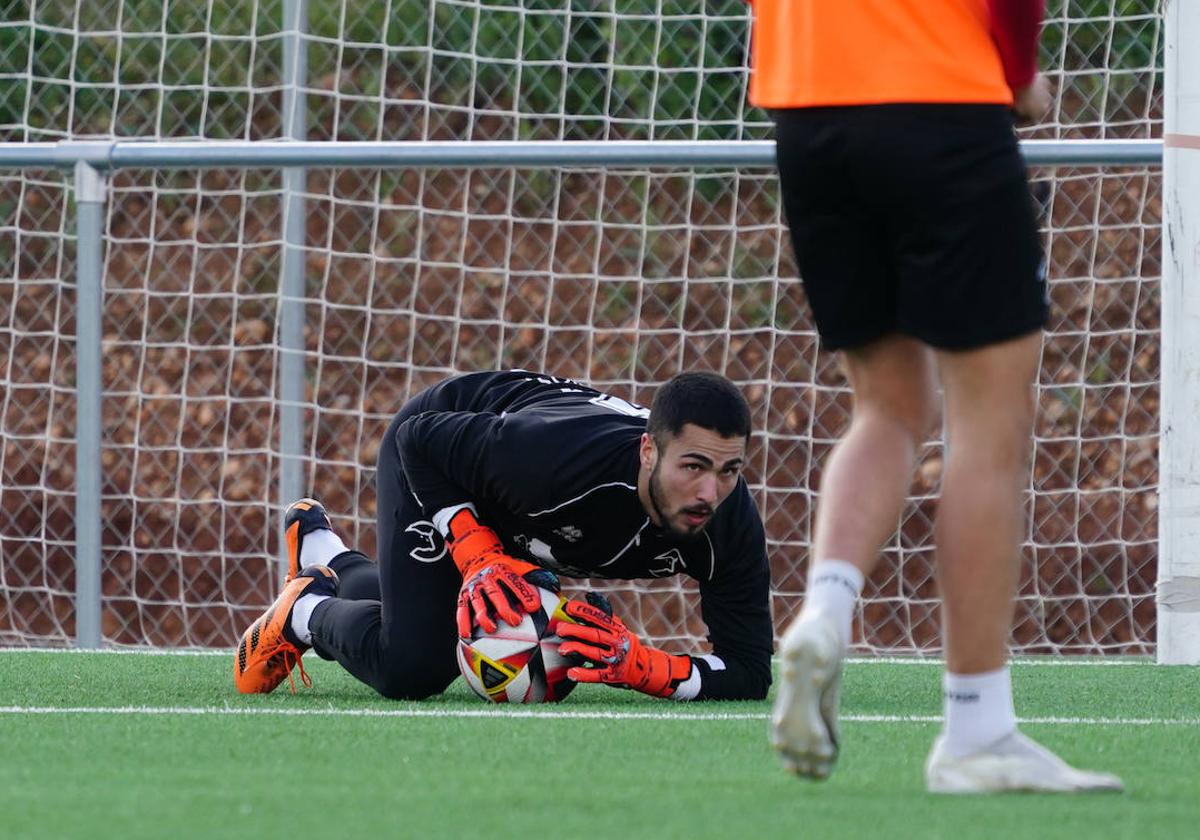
[{"x": 189, "y": 757}]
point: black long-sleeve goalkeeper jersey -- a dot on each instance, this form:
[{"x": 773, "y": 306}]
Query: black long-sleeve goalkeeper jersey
[{"x": 552, "y": 466}]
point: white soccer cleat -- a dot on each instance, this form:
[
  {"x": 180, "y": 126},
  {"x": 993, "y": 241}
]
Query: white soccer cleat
[
  {"x": 1014, "y": 763},
  {"x": 804, "y": 722}
]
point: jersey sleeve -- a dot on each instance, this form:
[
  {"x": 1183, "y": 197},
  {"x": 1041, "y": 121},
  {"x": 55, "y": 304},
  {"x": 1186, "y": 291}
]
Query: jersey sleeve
[
  {"x": 457, "y": 457},
  {"x": 1016, "y": 27},
  {"x": 735, "y": 605}
]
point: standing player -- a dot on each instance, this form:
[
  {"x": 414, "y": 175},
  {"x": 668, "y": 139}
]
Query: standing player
[
  {"x": 492, "y": 481},
  {"x": 911, "y": 217}
]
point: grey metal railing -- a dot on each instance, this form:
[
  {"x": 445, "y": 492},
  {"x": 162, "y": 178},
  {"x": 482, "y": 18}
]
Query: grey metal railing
[{"x": 683, "y": 154}]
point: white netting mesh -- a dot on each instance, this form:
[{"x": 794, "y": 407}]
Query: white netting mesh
[{"x": 618, "y": 277}]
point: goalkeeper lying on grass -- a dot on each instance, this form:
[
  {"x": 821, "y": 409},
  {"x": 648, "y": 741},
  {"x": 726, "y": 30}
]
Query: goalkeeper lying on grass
[{"x": 492, "y": 481}]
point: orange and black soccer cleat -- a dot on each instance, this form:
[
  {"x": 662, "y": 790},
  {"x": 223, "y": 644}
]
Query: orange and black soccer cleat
[
  {"x": 269, "y": 650},
  {"x": 301, "y": 517}
]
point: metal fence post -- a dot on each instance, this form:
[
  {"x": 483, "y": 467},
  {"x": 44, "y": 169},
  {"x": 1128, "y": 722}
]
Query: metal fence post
[
  {"x": 89, "y": 289},
  {"x": 291, "y": 281}
]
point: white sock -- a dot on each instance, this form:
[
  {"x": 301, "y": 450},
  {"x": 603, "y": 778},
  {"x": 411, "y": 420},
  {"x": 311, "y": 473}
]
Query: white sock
[
  {"x": 833, "y": 589},
  {"x": 979, "y": 710},
  {"x": 319, "y": 547},
  {"x": 302, "y": 611}
]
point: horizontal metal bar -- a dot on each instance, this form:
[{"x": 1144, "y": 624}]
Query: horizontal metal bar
[
  {"x": 451, "y": 154},
  {"x": 1092, "y": 152},
  {"x": 61, "y": 155},
  {"x": 35, "y": 156},
  {"x": 666, "y": 154}
]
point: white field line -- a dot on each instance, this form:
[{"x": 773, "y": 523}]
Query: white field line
[
  {"x": 557, "y": 714},
  {"x": 1052, "y": 661}
]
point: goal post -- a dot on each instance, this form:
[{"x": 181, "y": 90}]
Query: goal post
[
  {"x": 1179, "y": 454},
  {"x": 90, "y": 193}
]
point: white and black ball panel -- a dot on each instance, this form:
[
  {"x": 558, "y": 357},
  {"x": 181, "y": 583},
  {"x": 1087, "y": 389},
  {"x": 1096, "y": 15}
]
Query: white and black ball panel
[{"x": 519, "y": 664}]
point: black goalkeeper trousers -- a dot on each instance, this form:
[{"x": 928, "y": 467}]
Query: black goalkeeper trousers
[{"x": 392, "y": 625}]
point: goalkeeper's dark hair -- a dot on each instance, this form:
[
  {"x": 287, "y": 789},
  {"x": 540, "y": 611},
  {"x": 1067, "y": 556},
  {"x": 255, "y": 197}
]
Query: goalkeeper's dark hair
[{"x": 707, "y": 400}]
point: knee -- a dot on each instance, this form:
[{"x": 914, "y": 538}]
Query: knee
[
  {"x": 996, "y": 441},
  {"x": 923, "y": 419},
  {"x": 1008, "y": 452},
  {"x": 895, "y": 387},
  {"x": 412, "y": 684},
  {"x": 914, "y": 419}
]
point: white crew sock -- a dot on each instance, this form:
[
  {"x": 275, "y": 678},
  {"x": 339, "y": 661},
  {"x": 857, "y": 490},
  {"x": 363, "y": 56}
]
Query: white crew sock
[
  {"x": 319, "y": 547},
  {"x": 302, "y": 611},
  {"x": 979, "y": 710},
  {"x": 833, "y": 589}
]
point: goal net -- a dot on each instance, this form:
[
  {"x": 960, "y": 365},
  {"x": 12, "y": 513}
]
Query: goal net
[{"x": 617, "y": 276}]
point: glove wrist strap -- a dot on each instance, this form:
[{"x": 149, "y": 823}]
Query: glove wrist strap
[
  {"x": 470, "y": 542},
  {"x": 664, "y": 673}
]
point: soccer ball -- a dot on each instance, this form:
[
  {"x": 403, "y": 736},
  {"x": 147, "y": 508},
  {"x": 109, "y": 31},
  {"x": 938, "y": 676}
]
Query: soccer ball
[{"x": 519, "y": 664}]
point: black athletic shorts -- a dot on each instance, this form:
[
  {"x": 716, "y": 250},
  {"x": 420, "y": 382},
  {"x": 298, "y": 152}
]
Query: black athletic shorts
[{"x": 916, "y": 219}]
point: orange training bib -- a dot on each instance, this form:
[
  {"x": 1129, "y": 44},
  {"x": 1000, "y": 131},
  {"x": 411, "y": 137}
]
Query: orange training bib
[{"x": 861, "y": 52}]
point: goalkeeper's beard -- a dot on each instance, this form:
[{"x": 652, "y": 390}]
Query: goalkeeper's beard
[{"x": 665, "y": 520}]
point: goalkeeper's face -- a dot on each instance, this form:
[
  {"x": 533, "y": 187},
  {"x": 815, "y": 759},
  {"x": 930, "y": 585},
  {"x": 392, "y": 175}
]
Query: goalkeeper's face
[{"x": 688, "y": 477}]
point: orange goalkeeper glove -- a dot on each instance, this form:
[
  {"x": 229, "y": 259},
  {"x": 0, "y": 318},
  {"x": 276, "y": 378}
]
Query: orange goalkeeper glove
[
  {"x": 615, "y": 655},
  {"x": 493, "y": 581}
]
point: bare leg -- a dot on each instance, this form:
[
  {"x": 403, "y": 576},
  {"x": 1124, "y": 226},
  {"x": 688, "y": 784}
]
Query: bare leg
[
  {"x": 989, "y": 413},
  {"x": 868, "y": 475},
  {"x": 862, "y": 491},
  {"x": 989, "y": 417}
]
